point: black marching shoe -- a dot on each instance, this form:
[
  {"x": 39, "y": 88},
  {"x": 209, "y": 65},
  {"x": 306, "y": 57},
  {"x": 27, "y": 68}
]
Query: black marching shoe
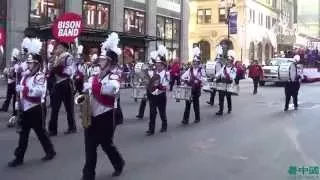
[
  {"x": 16, "y": 162},
  {"x": 139, "y": 117},
  {"x": 49, "y": 156},
  {"x": 70, "y": 131},
  {"x": 149, "y": 133},
  {"x": 219, "y": 113},
  {"x": 197, "y": 121},
  {"x": 119, "y": 170},
  {"x": 163, "y": 130},
  {"x": 209, "y": 103},
  {"x": 229, "y": 111},
  {"x": 185, "y": 122},
  {"x": 286, "y": 109},
  {"x": 51, "y": 134}
]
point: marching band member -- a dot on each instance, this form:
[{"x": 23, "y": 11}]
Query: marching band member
[
  {"x": 11, "y": 86},
  {"x": 103, "y": 88},
  {"x": 218, "y": 67},
  {"x": 292, "y": 87},
  {"x": 226, "y": 75},
  {"x": 79, "y": 73},
  {"x": 157, "y": 92},
  {"x": 62, "y": 90},
  {"x": 31, "y": 89},
  {"x": 143, "y": 103},
  {"x": 193, "y": 76}
]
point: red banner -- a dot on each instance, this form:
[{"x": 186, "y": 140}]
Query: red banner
[
  {"x": 2, "y": 36},
  {"x": 67, "y": 27}
]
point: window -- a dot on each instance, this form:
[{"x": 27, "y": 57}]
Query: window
[
  {"x": 204, "y": 16},
  {"x": 222, "y": 15},
  {"x": 134, "y": 21},
  {"x": 252, "y": 17},
  {"x": 260, "y": 19},
  {"x": 133, "y": 54},
  {"x": 268, "y": 22},
  {"x": 44, "y": 12},
  {"x": 168, "y": 31},
  {"x": 96, "y": 15}
]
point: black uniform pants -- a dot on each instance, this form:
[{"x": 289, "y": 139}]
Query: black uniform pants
[
  {"x": 32, "y": 119},
  {"x": 142, "y": 107},
  {"x": 256, "y": 81},
  {"x": 158, "y": 102},
  {"x": 62, "y": 92},
  {"x": 292, "y": 90},
  {"x": 101, "y": 133},
  {"x": 212, "y": 96},
  {"x": 11, "y": 94},
  {"x": 196, "y": 108},
  {"x": 173, "y": 79},
  {"x": 223, "y": 94}
]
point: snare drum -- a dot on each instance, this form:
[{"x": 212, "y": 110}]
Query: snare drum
[
  {"x": 183, "y": 93},
  {"x": 139, "y": 92},
  {"x": 233, "y": 88},
  {"x": 221, "y": 86}
]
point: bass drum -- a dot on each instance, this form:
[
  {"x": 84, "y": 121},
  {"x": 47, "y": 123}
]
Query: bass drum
[
  {"x": 288, "y": 71},
  {"x": 210, "y": 68}
]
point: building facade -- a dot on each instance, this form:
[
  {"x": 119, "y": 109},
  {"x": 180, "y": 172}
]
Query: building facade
[
  {"x": 258, "y": 24},
  {"x": 141, "y": 24}
]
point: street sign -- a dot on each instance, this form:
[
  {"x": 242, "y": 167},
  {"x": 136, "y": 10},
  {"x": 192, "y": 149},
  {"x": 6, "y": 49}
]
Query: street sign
[{"x": 67, "y": 27}]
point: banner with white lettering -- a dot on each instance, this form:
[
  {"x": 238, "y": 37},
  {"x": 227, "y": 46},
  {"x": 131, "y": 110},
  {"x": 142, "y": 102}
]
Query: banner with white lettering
[{"x": 67, "y": 27}]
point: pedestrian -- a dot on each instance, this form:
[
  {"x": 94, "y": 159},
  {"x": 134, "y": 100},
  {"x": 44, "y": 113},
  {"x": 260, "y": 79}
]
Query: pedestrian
[
  {"x": 256, "y": 73},
  {"x": 103, "y": 89},
  {"x": 31, "y": 90},
  {"x": 240, "y": 72},
  {"x": 175, "y": 73},
  {"x": 193, "y": 77},
  {"x": 292, "y": 86},
  {"x": 226, "y": 76},
  {"x": 157, "y": 92},
  {"x": 63, "y": 91}
]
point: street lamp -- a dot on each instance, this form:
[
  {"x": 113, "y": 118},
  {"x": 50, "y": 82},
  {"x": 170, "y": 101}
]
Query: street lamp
[{"x": 228, "y": 6}]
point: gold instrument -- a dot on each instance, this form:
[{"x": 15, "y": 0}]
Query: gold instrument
[{"x": 83, "y": 101}]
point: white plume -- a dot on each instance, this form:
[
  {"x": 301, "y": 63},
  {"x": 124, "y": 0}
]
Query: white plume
[
  {"x": 35, "y": 46},
  {"x": 196, "y": 51},
  {"x": 111, "y": 43},
  {"x": 50, "y": 49},
  {"x": 232, "y": 53},
  {"x": 219, "y": 50},
  {"x": 1, "y": 49},
  {"x": 79, "y": 49},
  {"x": 153, "y": 55},
  {"x": 15, "y": 53},
  {"x": 26, "y": 43},
  {"x": 162, "y": 51}
]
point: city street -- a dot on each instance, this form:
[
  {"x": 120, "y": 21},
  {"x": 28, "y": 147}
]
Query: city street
[{"x": 257, "y": 141}]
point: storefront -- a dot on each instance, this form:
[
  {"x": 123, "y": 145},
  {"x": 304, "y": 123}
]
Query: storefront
[
  {"x": 168, "y": 32},
  {"x": 3, "y": 21},
  {"x": 44, "y": 12}
]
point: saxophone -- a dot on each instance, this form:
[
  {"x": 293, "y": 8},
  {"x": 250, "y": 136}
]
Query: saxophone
[{"x": 83, "y": 101}]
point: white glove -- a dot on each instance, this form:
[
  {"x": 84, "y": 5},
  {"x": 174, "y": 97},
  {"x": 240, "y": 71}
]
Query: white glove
[
  {"x": 17, "y": 106},
  {"x": 86, "y": 86},
  {"x": 19, "y": 88},
  {"x": 156, "y": 92}
]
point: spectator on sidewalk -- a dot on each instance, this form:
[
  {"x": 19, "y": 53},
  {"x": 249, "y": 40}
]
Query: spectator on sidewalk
[
  {"x": 175, "y": 73},
  {"x": 256, "y": 73}
]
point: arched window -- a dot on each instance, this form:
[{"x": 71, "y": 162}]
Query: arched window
[{"x": 205, "y": 50}]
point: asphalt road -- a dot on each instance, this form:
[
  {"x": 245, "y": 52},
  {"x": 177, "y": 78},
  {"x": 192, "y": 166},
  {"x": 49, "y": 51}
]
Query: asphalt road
[{"x": 257, "y": 141}]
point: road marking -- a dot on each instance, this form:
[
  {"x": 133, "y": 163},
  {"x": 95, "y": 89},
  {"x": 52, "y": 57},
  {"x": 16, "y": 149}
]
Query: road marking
[{"x": 292, "y": 133}]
